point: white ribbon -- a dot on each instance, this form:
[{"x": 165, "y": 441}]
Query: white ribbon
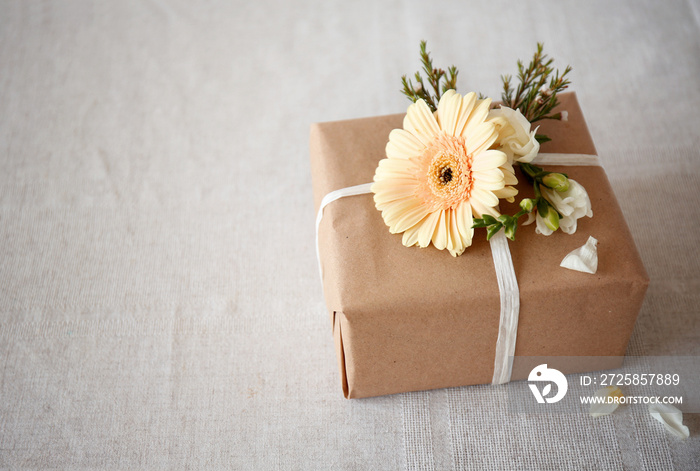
[
  {"x": 502, "y": 261},
  {"x": 328, "y": 199},
  {"x": 579, "y": 160},
  {"x": 510, "y": 308}
]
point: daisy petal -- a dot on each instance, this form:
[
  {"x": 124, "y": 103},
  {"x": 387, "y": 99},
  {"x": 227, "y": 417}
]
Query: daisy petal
[
  {"x": 392, "y": 193},
  {"x": 402, "y": 145},
  {"x": 420, "y": 122},
  {"x": 486, "y": 136},
  {"x": 507, "y": 193},
  {"x": 479, "y": 209},
  {"x": 492, "y": 175},
  {"x": 465, "y": 222},
  {"x": 449, "y": 245},
  {"x": 394, "y": 210},
  {"x": 468, "y": 102},
  {"x": 410, "y": 236},
  {"x": 489, "y": 159},
  {"x": 428, "y": 228},
  {"x": 477, "y": 116},
  {"x": 385, "y": 185},
  {"x": 449, "y": 111},
  {"x": 409, "y": 218},
  {"x": 484, "y": 196},
  {"x": 456, "y": 252},
  {"x": 488, "y": 186},
  {"x": 396, "y": 167},
  {"x": 509, "y": 177},
  {"x": 477, "y": 136},
  {"x": 440, "y": 234},
  {"x": 455, "y": 244}
]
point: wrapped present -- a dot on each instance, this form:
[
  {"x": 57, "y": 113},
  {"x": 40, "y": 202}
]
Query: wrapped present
[{"x": 407, "y": 319}]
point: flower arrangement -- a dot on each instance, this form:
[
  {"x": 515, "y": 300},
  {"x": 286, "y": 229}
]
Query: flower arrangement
[
  {"x": 446, "y": 171},
  {"x": 459, "y": 170}
]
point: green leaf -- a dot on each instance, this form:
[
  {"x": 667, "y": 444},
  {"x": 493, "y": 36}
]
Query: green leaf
[
  {"x": 541, "y": 138},
  {"x": 490, "y": 219},
  {"x": 479, "y": 223},
  {"x": 510, "y": 229},
  {"x": 532, "y": 171},
  {"x": 493, "y": 230}
]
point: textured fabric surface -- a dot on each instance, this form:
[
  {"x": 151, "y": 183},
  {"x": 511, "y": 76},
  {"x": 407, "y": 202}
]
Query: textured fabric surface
[{"x": 160, "y": 305}]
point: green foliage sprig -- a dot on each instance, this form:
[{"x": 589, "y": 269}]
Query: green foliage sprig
[
  {"x": 536, "y": 94},
  {"x": 435, "y": 78}
]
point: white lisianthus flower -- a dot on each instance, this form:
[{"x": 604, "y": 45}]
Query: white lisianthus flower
[
  {"x": 572, "y": 204},
  {"x": 514, "y": 135}
]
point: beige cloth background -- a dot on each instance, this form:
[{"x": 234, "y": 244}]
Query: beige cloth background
[{"x": 160, "y": 305}]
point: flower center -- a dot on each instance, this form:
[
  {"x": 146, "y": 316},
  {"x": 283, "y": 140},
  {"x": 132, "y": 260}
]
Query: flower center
[{"x": 446, "y": 173}]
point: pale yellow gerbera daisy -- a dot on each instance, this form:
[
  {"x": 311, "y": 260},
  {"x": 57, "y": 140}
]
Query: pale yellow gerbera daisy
[{"x": 439, "y": 173}]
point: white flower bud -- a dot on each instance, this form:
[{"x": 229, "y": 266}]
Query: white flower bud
[
  {"x": 551, "y": 219},
  {"x": 527, "y": 204},
  {"x": 556, "y": 181}
]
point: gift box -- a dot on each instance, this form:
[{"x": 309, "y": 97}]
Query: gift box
[{"x": 407, "y": 319}]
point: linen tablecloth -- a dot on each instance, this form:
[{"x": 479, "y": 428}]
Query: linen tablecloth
[{"x": 160, "y": 305}]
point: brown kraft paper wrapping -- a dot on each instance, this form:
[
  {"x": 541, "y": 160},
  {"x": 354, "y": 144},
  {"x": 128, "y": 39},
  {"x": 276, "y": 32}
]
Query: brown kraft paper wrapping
[{"x": 408, "y": 319}]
